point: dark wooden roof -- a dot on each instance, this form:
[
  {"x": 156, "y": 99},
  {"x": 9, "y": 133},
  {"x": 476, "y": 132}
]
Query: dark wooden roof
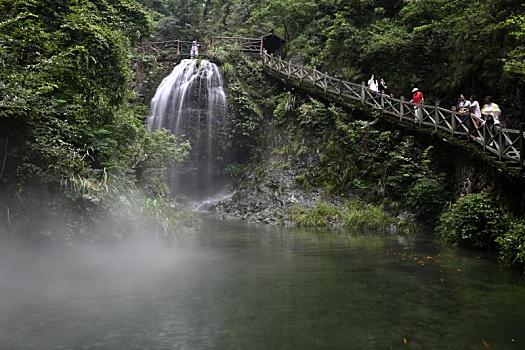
[{"x": 272, "y": 43}]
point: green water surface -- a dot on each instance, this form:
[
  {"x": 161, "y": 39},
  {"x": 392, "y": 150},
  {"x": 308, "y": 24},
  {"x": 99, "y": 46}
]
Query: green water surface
[{"x": 239, "y": 286}]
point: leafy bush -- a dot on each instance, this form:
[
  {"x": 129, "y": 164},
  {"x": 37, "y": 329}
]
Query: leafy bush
[
  {"x": 285, "y": 105},
  {"x": 315, "y": 115},
  {"x": 427, "y": 198},
  {"x": 512, "y": 243},
  {"x": 473, "y": 221}
]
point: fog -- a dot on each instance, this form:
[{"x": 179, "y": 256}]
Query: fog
[{"x": 93, "y": 296}]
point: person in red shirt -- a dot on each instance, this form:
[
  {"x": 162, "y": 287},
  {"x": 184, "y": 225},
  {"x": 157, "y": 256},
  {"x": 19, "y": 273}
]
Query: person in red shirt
[{"x": 417, "y": 100}]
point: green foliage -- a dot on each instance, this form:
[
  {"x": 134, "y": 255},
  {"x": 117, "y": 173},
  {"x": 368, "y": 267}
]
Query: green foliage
[
  {"x": 235, "y": 170},
  {"x": 355, "y": 215},
  {"x": 446, "y": 47},
  {"x": 366, "y": 216},
  {"x": 66, "y": 73},
  {"x": 428, "y": 197},
  {"x": 320, "y": 215},
  {"x": 474, "y": 221},
  {"x": 245, "y": 117},
  {"x": 512, "y": 243},
  {"x": 315, "y": 116},
  {"x": 285, "y": 107},
  {"x": 65, "y": 117},
  {"x": 350, "y": 155}
]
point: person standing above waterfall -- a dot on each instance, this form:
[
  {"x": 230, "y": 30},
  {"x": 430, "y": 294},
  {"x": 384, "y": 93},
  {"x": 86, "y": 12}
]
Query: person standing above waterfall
[
  {"x": 417, "y": 100},
  {"x": 194, "y": 49}
]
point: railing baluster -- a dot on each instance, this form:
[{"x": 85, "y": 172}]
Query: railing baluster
[
  {"x": 500, "y": 142},
  {"x": 453, "y": 121},
  {"x": 436, "y": 116},
  {"x": 522, "y": 146},
  {"x": 401, "y": 108}
]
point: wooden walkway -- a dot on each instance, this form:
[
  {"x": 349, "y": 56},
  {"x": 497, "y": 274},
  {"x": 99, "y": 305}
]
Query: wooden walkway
[{"x": 508, "y": 145}]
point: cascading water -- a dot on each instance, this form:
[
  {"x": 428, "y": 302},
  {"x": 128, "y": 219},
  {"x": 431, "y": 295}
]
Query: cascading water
[{"x": 191, "y": 101}]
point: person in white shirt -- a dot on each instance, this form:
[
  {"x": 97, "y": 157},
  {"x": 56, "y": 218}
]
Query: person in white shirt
[
  {"x": 194, "y": 49},
  {"x": 474, "y": 108},
  {"x": 373, "y": 86},
  {"x": 491, "y": 112},
  {"x": 476, "y": 112}
]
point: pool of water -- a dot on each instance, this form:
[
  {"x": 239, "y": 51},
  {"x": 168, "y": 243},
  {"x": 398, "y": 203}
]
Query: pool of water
[{"x": 239, "y": 286}]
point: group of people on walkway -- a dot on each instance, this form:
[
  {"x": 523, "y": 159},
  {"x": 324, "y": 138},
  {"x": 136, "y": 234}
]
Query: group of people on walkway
[
  {"x": 489, "y": 114},
  {"x": 377, "y": 88}
]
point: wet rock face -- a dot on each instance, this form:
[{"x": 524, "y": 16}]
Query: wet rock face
[{"x": 265, "y": 193}]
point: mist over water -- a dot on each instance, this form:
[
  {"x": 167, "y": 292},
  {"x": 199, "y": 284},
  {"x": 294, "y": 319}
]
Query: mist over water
[{"x": 235, "y": 285}]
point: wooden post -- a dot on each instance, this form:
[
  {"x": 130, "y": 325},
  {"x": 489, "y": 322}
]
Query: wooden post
[
  {"x": 363, "y": 96},
  {"x": 301, "y": 71},
  {"x": 522, "y": 146},
  {"x": 341, "y": 87},
  {"x": 261, "y": 49},
  {"x": 289, "y": 69},
  {"x": 382, "y": 101},
  {"x": 313, "y": 78},
  {"x": 500, "y": 143},
  {"x": 325, "y": 83},
  {"x": 453, "y": 121},
  {"x": 401, "y": 108},
  {"x": 436, "y": 116},
  {"x": 484, "y": 137},
  {"x": 178, "y": 47}
]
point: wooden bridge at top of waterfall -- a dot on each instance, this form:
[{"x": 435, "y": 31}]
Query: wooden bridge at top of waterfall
[{"x": 507, "y": 145}]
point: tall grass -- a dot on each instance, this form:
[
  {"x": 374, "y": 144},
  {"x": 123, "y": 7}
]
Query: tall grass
[{"x": 355, "y": 214}]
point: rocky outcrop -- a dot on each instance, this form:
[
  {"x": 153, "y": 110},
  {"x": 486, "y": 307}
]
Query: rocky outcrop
[{"x": 273, "y": 185}]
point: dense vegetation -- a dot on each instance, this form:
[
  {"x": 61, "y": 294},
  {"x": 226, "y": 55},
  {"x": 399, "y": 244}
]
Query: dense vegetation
[
  {"x": 445, "y": 47},
  {"x": 72, "y": 139}
]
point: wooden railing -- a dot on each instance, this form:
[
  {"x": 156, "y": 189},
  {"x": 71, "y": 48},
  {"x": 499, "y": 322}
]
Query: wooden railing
[
  {"x": 177, "y": 47},
  {"x": 183, "y": 48},
  {"x": 247, "y": 45},
  {"x": 506, "y": 144}
]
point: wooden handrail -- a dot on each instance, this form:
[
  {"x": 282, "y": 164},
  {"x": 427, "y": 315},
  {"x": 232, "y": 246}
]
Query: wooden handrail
[
  {"x": 506, "y": 144},
  {"x": 503, "y": 142}
]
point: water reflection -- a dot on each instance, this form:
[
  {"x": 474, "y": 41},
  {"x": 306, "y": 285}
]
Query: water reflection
[{"x": 239, "y": 286}]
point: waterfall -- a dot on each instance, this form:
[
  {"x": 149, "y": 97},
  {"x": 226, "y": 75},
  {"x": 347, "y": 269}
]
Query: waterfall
[{"x": 191, "y": 101}]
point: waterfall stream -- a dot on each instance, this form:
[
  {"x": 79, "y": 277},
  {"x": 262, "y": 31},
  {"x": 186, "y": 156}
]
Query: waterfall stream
[{"x": 191, "y": 102}]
